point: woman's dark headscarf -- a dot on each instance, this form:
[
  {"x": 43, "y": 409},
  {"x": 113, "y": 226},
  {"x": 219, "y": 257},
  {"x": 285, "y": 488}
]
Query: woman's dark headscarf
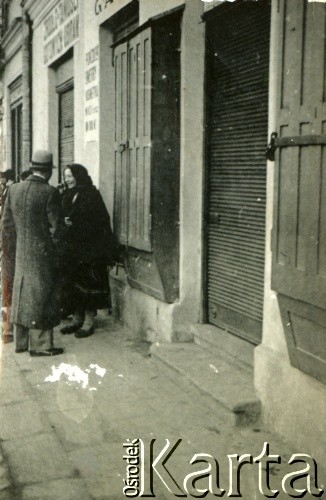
[{"x": 81, "y": 175}]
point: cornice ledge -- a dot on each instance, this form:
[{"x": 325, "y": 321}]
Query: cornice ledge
[
  {"x": 38, "y": 9},
  {"x": 32, "y": 6},
  {"x": 11, "y": 33}
]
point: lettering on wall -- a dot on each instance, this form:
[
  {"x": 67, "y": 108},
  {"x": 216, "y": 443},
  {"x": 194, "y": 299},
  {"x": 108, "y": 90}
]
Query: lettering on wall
[
  {"x": 60, "y": 29},
  {"x": 91, "y": 93},
  {"x": 100, "y": 5}
]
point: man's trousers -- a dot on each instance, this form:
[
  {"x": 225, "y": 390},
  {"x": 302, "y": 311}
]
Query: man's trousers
[{"x": 32, "y": 339}]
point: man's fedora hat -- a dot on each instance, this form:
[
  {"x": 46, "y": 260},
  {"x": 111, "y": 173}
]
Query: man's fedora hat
[{"x": 42, "y": 159}]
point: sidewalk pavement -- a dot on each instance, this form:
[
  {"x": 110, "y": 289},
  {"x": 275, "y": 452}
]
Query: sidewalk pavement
[{"x": 63, "y": 439}]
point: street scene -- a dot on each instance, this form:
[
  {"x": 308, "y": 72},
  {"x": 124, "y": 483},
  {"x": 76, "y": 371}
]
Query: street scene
[{"x": 163, "y": 237}]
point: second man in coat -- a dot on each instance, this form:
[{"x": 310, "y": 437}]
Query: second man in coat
[{"x": 32, "y": 225}]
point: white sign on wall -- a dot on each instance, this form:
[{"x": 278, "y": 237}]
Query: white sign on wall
[
  {"x": 60, "y": 29},
  {"x": 91, "y": 93}
]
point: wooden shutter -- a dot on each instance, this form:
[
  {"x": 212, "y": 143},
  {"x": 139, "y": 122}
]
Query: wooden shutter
[
  {"x": 139, "y": 120},
  {"x": 299, "y": 268},
  {"x": 238, "y": 115},
  {"x": 299, "y": 232},
  {"x": 66, "y": 129},
  {"x": 132, "y": 62},
  {"x": 121, "y": 192}
]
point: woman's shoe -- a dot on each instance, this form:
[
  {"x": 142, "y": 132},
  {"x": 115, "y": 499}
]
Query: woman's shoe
[
  {"x": 66, "y": 330},
  {"x": 84, "y": 333}
]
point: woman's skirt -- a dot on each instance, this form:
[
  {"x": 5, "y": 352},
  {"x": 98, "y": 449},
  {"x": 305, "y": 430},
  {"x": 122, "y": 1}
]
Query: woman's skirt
[{"x": 88, "y": 287}]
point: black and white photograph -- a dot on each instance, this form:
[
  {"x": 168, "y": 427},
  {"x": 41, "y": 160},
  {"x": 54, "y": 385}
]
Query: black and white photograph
[{"x": 163, "y": 249}]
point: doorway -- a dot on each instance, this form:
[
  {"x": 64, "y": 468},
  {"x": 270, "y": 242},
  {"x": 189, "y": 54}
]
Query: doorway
[
  {"x": 66, "y": 126},
  {"x": 238, "y": 38}
]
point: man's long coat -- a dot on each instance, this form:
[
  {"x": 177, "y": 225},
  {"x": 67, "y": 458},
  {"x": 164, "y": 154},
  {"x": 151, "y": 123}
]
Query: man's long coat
[{"x": 32, "y": 224}]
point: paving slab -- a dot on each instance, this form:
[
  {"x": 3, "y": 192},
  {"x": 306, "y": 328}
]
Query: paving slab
[
  {"x": 62, "y": 396},
  {"x": 5, "y": 482},
  {"x": 22, "y": 419},
  {"x": 68, "y": 489},
  {"x": 77, "y": 428},
  {"x": 227, "y": 384},
  {"x": 37, "y": 458},
  {"x": 8, "y": 366},
  {"x": 7, "y": 495},
  {"x": 36, "y": 375},
  {"x": 103, "y": 470},
  {"x": 14, "y": 389}
]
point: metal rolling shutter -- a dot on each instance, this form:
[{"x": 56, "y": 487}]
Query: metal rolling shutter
[
  {"x": 66, "y": 128},
  {"x": 238, "y": 112}
]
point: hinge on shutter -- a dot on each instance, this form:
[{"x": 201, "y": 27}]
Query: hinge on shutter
[
  {"x": 271, "y": 148},
  {"x": 123, "y": 146},
  {"x": 293, "y": 141}
]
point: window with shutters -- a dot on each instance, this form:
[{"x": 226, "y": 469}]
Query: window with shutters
[
  {"x": 147, "y": 77},
  {"x": 299, "y": 233},
  {"x": 132, "y": 66}
]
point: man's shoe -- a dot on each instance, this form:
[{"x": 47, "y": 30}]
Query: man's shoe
[
  {"x": 84, "y": 333},
  {"x": 21, "y": 349},
  {"x": 52, "y": 351},
  {"x": 66, "y": 330}
]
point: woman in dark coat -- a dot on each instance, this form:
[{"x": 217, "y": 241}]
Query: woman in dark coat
[{"x": 88, "y": 250}]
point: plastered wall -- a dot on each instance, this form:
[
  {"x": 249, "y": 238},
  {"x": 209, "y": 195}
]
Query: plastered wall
[{"x": 40, "y": 95}]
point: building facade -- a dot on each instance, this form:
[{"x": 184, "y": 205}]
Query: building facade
[{"x": 171, "y": 104}]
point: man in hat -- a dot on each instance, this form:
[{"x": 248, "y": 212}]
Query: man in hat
[{"x": 32, "y": 224}]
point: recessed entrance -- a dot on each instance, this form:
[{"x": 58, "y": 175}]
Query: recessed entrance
[{"x": 238, "y": 37}]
